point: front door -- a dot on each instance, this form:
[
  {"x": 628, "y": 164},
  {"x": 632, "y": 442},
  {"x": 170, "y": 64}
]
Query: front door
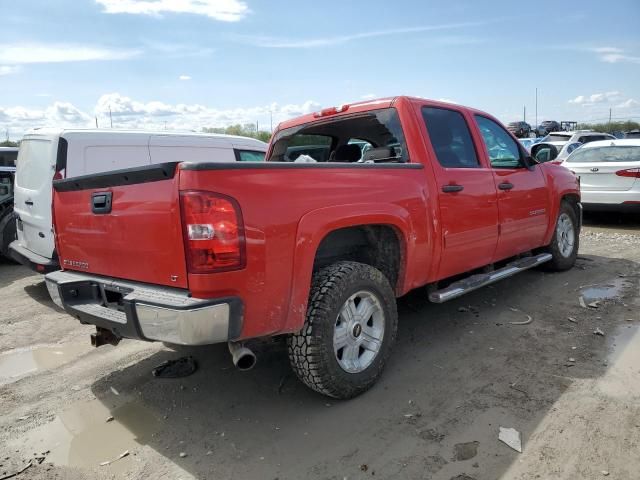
[
  {"x": 466, "y": 193},
  {"x": 523, "y": 198}
]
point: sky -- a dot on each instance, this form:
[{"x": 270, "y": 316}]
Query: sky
[{"x": 189, "y": 64}]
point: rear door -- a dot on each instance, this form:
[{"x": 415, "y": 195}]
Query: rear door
[
  {"x": 523, "y": 199},
  {"x": 35, "y": 169},
  {"x": 466, "y": 195},
  {"x": 605, "y": 168}
]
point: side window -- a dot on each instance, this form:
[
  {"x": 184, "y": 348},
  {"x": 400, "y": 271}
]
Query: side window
[
  {"x": 503, "y": 150},
  {"x": 450, "y": 137},
  {"x": 249, "y": 156}
]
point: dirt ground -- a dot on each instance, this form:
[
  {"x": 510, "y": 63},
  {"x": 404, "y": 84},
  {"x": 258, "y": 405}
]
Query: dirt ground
[{"x": 459, "y": 372}]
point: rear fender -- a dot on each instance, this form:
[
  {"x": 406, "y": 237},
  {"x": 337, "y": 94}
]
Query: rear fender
[
  {"x": 317, "y": 224},
  {"x": 561, "y": 183}
]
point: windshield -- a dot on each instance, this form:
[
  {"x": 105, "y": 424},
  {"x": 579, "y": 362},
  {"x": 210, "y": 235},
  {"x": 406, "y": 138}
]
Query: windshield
[
  {"x": 606, "y": 154},
  {"x": 374, "y": 136}
]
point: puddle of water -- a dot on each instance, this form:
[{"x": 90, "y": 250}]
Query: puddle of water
[
  {"x": 605, "y": 291},
  {"x": 16, "y": 363},
  {"x": 82, "y": 437}
]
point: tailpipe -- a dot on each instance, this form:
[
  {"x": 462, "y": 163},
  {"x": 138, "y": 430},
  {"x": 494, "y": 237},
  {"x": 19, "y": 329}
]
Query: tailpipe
[{"x": 242, "y": 357}]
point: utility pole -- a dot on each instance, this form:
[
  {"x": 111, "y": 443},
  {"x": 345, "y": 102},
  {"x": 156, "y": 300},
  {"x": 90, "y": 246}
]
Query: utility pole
[
  {"x": 271, "y": 119},
  {"x": 536, "y": 107},
  {"x": 96, "y": 121},
  {"x": 110, "y": 117},
  {"x": 257, "y": 129},
  {"x": 609, "y": 116},
  {"x": 524, "y": 113}
]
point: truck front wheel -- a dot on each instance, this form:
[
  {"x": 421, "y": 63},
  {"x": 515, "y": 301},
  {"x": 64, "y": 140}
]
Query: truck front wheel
[
  {"x": 566, "y": 240},
  {"x": 349, "y": 330}
]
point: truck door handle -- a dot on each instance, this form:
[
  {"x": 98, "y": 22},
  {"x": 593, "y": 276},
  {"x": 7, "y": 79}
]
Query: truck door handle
[
  {"x": 28, "y": 202},
  {"x": 452, "y": 188},
  {"x": 505, "y": 186},
  {"x": 101, "y": 202}
]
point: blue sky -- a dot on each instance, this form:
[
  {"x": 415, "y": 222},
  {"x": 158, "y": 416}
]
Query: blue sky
[{"x": 187, "y": 64}]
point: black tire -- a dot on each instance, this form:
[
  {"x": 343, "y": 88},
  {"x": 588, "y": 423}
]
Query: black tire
[
  {"x": 311, "y": 351},
  {"x": 561, "y": 261},
  {"x": 7, "y": 232}
]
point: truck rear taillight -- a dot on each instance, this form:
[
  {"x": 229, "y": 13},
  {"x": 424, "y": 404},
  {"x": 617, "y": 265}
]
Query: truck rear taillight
[
  {"x": 213, "y": 232},
  {"x": 629, "y": 172}
]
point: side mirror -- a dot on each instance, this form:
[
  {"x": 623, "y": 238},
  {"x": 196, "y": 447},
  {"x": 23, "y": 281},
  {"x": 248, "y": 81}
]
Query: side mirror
[
  {"x": 530, "y": 162},
  {"x": 544, "y": 152}
]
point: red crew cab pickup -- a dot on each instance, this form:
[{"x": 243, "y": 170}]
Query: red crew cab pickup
[{"x": 355, "y": 206}]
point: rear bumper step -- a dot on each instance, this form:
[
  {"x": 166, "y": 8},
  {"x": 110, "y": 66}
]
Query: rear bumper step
[
  {"x": 474, "y": 282},
  {"x": 35, "y": 262},
  {"x": 146, "y": 312}
]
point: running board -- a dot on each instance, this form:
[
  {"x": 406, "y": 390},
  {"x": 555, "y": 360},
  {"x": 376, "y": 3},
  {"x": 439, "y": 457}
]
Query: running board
[{"x": 474, "y": 282}]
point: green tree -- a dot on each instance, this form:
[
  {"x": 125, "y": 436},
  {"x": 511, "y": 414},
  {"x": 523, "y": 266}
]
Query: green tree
[{"x": 246, "y": 130}]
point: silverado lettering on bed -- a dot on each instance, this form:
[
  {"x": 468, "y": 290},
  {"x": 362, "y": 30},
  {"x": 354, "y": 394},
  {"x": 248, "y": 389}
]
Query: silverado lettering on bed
[{"x": 355, "y": 206}]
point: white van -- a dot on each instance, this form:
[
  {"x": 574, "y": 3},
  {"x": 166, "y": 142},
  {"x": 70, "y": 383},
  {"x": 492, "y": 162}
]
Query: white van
[{"x": 49, "y": 153}]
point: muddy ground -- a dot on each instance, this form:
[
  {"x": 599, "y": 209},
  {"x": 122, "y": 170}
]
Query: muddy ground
[{"x": 460, "y": 371}]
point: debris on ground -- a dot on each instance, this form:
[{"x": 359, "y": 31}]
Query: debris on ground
[
  {"x": 364, "y": 467},
  {"x": 180, "y": 367},
  {"x": 582, "y": 303},
  {"x": 109, "y": 419},
  {"x": 572, "y": 320},
  {"x": 597, "y": 331},
  {"x": 465, "y": 451},
  {"x": 114, "y": 391},
  {"x": 511, "y": 437},
  {"x": 122, "y": 455},
  {"x": 605, "y": 473},
  {"x": 526, "y": 322},
  {"x": 594, "y": 304},
  {"x": 463, "y": 309},
  {"x": 513, "y": 385},
  {"x": 183, "y": 454},
  {"x": 15, "y": 474}
]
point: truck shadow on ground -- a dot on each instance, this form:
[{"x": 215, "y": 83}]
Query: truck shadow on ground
[
  {"x": 459, "y": 371},
  {"x": 11, "y": 272}
]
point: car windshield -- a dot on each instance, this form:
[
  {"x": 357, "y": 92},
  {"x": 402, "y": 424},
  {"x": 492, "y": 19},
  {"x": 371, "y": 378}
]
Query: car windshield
[
  {"x": 606, "y": 154},
  {"x": 352, "y": 138}
]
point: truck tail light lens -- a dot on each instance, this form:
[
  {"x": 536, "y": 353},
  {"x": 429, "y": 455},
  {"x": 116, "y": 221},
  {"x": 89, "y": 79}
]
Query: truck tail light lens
[
  {"x": 213, "y": 232},
  {"x": 629, "y": 172}
]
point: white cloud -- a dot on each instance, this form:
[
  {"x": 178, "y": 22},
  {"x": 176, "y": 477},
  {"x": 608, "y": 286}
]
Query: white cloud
[
  {"x": 596, "y": 98},
  {"x": 56, "y": 53},
  {"x": 614, "y": 55},
  {"x": 223, "y": 10},
  {"x": 274, "y": 42},
  {"x": 630, "y": 103},
  {"x": 154, "y": 115},
  {"x": 8, "y": 69},
  {"x": 184, "y": 77}
]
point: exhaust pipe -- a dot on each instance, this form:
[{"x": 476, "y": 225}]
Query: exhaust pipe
[{"x": 243, "y": 358}]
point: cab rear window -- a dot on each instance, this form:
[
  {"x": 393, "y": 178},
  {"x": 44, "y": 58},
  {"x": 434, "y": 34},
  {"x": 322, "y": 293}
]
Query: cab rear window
[{"x": 374, "y": 136}]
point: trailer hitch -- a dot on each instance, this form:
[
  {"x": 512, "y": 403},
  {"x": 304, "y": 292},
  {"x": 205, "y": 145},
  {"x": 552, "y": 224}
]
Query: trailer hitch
[{"x": 104, "y": 337}]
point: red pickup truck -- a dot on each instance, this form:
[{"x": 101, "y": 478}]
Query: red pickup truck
[{"x": 355, "y": 206}]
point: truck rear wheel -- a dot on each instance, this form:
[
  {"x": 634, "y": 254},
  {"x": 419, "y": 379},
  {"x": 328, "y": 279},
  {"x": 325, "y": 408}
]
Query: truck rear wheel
[
  {"x": 348, "y": 333},
  {"x": 566, "y": 240}
]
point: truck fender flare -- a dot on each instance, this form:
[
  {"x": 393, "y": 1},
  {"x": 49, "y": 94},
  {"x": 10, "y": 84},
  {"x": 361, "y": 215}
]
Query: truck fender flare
[{"x": 314, "y": 226}]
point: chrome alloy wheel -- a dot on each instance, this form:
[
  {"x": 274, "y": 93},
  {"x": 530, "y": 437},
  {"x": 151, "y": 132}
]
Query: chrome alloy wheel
[
  {"x": 565, "y": 235},
  {"x": 358, "y": 331}
]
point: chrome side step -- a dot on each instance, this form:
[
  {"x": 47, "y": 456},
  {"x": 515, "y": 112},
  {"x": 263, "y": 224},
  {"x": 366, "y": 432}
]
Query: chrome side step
[{"x": 474, "y": 282}]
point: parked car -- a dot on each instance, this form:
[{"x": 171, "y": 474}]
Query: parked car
[
  {"x": 632, "y": 134},
  {"x": 8, "y": 156},
  {"x": 47, "y": 154},
  {"x": 529, "y": 142},
  {"x": 520, "y": 129},
  {"x": 549, "y": 126},
  {"x": 609, "y": 173},
  {"x": 567, "y": 142},
  {"x": 205, "y": 253}
]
